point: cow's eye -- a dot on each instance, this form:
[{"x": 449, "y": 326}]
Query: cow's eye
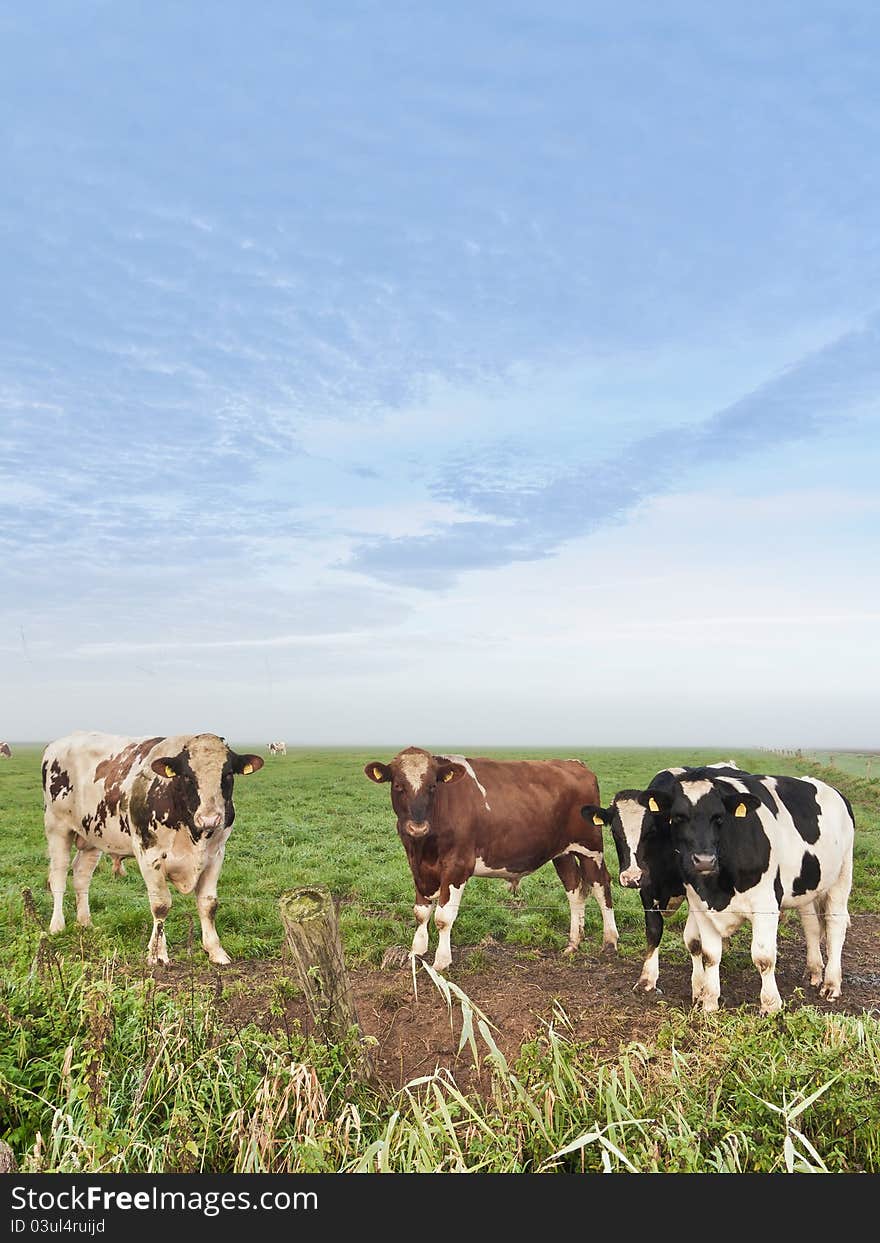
[
  {"x": 717, "y": 820},
  {"x": 398, "y": 789}
]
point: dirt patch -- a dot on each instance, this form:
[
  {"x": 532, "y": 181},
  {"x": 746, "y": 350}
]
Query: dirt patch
[{"x": 589, "y": 997}]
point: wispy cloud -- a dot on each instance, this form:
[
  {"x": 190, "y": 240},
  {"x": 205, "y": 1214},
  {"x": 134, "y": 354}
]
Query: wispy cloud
[{"x": 516, "y": 522}]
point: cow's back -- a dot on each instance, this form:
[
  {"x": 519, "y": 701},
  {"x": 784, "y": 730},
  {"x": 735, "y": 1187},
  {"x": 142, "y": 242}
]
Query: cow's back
[{"x": 87, "y": 778}]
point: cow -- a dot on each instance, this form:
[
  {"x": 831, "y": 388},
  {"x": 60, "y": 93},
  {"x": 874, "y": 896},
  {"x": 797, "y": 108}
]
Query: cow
[
  {"x": 278, "y": 748},
  {"x": 647, "y": 859},
  {"x": 459, "y": 817},
  {"x": 166, "y": 802},
  {"x": 747, "y": 846},
  {"x": 5, "y": 751}
]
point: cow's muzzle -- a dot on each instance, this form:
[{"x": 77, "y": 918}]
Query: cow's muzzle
[
  {"x": 631, "y": 878},
  {"x": 705, "y": 865},
  {"x": 208, "y": 821},
  {"x": 413, "y": 828}
]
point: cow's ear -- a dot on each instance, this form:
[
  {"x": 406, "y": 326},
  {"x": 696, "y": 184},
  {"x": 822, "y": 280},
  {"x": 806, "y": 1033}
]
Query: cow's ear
[
  {"x": 656, "y": 800},
  {"x": 377, "y": 772},
  {"x": 244, "y": 765},
  {"x": 165, "y": 767},
  {"x": 596, "y": 815},
  {"x": 740, "y": 805},
  {"x": 447, "y": 773}
]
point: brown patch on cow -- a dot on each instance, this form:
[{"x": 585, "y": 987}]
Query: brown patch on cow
[
  {"x": 60, "y": 785},
  {"x": 114, "y": 772}
]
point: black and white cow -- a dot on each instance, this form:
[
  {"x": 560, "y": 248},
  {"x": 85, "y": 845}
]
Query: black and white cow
[
  {"x": 646, "y": 856},
  {"x": 278, "y": 748},
  {"x": 747, "y": 846},
  {"x": 165, "y": 801}
]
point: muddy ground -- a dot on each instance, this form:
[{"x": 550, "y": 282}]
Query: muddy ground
[{"x": 522, "y": 990}]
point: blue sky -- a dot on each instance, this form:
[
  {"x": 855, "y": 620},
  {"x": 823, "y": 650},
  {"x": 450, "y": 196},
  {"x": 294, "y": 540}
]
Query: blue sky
[{"x": 408, "y": 374}]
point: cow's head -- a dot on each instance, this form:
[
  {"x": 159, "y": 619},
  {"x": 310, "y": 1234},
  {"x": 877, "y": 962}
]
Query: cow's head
[
  {"x": 200, "y": 778},
  {"x": 700, "y": 812},
  {"x": 632, "y": 817},
  {"x": 415, "y": 777}
]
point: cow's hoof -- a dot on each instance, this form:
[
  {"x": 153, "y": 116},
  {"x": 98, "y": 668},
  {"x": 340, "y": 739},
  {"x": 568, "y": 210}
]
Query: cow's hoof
[
  {"x": 569, "y": 950},
  {"x": 56, "y": 926},
  {"x": 220, "y": 960},
  {"x": 441, "y": 964},
  {"x": 396, "y": 957},
  {"x": 609, "y": 947},
  {"x": 829, "y": 992},
  {"x": 155, "y": 961},
  {"x": 771, "y": 1007},
  {"x": 85, "y": 923},
  {"x": 646, "y": 986}
]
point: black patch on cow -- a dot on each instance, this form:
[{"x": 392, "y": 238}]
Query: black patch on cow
[
  {"x": 809, "y": 877},
  {"x": 800, "y": 799},
  {"x": 777, "y": 888},
  {"x": 60, "y": 785},
  {"x": 45, "y": 769}
]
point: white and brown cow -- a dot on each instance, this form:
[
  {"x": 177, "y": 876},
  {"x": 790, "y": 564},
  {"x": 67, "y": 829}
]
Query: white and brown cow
[
  {"x": 278, "y": 748},
  {"x": 165, "y": 801},
  {"x": 5, "y": 751},
  {"x": 460, "y": 817}
]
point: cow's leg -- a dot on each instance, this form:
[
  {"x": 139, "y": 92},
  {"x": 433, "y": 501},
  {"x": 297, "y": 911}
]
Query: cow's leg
[
  {"x": 711, "y": 946},
  {"x": 569, "y": 872},
  {"x": 836, "y": 924},
  {"x": 422, "y": 912},
  {"x": 206, "y": 901},
  {"x": 59, "y": 843},
  {"x": 160, "y": 905},
  {"x": 595, "y": 876},
  {"x": 765, "y": 930},
  {"x": 84, "y": 865},
  {"x": 647, "y": 981},
  {"x": 694, "y": 946},
  {"x": 813, "y": 936},
  {"x": 444, "y": 918}
]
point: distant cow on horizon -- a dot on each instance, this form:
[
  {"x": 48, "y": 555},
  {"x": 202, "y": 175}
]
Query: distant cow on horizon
[
  {"x": 278, "y": 748},
  {"x": 167, "y": 802},
  {"x": 5, "y": 751}
]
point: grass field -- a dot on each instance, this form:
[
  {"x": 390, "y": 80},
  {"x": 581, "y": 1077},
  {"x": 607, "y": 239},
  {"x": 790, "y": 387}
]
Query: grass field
[{"x": 79, "y": 1025}]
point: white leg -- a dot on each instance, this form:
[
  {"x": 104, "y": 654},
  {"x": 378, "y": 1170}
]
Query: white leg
[
  {"x": 576, "y": 904},
  {"x": 422, "y": 912},
  {"x": 59, "y": 844},
  {"x": 836, "y": 924},
  {"x": 647, "y": 981},
  {"x": 813, "y": 936},
  {"x": 765, "y": 930},
  {"x": 444, "y": 918},
  {"x": 694, "y": 945},
  {"x": 712, "y": 946},
  {"x": 602, "y": 894},
  {"x": 160, "y": 905},
  {"x": 206, "y": 901},
  {"x": 84, "y": 865}
]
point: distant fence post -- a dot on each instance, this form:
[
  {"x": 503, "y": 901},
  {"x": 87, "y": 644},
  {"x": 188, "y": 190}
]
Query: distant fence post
[{"x": 312, "y": 933}]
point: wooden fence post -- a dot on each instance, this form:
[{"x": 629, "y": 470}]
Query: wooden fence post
[{"x": 312, "y": 933}]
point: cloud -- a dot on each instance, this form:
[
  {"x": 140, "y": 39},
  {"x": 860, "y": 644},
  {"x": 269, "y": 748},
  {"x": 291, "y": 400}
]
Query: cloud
[{"x": 517, "y": 521}]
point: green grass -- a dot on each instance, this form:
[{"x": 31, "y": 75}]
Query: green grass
[
  {"x": 101, "y": 1070},
  {"x": 314, "y": 818}
]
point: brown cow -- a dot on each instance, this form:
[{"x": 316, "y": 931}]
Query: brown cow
[
  {"x": 460, "y": 817},
  {"x": 5, "y": 751}
]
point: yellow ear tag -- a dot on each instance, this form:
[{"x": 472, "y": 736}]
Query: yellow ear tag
[
  {"x": 597, "y": 819},
  {"x": 169, "y": 771},
  {"x": 377, "y": 773},
  {"x": 741, "y": 811},
  {"x": 652, "y": 805},
  {"x": 448, "y": 776},
  {"x": 248, "y": 768}
]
